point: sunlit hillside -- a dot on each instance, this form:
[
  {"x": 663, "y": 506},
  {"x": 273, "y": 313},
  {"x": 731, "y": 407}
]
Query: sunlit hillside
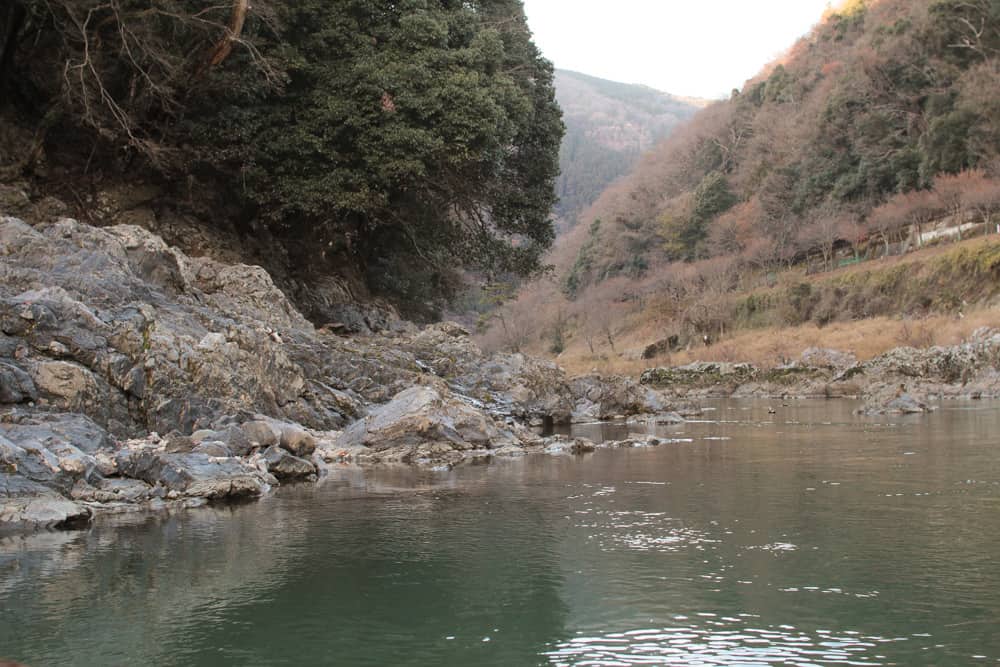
[{"x": 877, "y": 134}]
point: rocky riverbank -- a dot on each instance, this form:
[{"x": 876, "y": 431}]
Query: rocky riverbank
[
  {"x": 133, "y": 376},
  {"x": 968, "y": 370}
]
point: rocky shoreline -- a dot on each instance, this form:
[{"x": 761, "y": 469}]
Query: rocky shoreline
[
  {"x": 969, "y": 370},
  {"x": 135, "y": 377}
]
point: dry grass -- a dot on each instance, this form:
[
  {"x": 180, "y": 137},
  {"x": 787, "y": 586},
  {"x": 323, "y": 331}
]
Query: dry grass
[
  {"x": 948, "y": 291},
  {"x": 772, "y": 346}
]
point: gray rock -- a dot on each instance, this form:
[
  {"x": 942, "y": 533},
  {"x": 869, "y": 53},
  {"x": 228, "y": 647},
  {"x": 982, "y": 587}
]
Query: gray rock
[
  {"x": 196, "y": 475},
  {"x": 285, "y": 466},
  {"x": 16, "y": 386},
  {"x": 74, "y": 429},
  {"x": 899, "y": 403},
  {"x": 420, "y": 423},
  {"x": 906, "y": 404},
  {"x": 601, "y": 398},
  {"x": 30, "y": 460},
  {"x": 136, "y": 335},
  {"x": 28, "y": 504}
]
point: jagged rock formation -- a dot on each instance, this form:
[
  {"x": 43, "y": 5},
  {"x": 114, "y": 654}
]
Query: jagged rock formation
[{"x": 134, "y": 375}]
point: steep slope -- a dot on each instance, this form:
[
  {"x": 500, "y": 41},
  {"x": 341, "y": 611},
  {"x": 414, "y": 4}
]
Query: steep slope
[
  {"x": 877, "y": 134},
  {"x": 608, "y": 126},
  {"x": 878, "y": 101}
]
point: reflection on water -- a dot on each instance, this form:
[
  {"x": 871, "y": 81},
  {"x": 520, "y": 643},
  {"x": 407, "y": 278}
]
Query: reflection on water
[
  {"x": 725, "y": 641},
  {"x": 805, "y": 537}
]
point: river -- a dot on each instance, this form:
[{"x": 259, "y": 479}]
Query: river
[{"x": 806, "y": 537}]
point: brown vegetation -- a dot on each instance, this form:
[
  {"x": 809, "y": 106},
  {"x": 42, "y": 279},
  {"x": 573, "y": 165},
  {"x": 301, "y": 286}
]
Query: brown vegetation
[{"x": 871, "y": 138}]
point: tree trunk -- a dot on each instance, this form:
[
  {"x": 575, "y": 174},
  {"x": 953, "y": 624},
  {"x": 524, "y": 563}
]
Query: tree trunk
[
  {"x": 224, "y": 46},
  {"x": 15, "y": 19}
]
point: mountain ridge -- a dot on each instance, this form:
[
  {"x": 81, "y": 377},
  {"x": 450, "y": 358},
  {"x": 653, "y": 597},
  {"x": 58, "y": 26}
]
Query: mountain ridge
[{"x": 609, "y": 125}]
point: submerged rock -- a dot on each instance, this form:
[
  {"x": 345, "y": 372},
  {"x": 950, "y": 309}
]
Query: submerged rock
[
  {"x": 563, "y": 445},
  {"x": 635, "y": 440}
]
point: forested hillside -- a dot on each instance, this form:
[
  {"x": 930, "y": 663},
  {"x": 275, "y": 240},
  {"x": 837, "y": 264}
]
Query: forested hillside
[
  {"x": 834, "y": 142},
  {"x": 876, "y": 134},
  {"x": 401, "y": 141},
  {"x": 608, "y": 126}
]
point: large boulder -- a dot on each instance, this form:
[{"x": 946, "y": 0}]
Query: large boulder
[
  {"x": 601, "y": 398},
  {"x": 285, "y": 466},
  {"x": 526, "y": 388},
  {"x": 194, "y": 475},
  {"x": 421, "y": 423},
  {"x": 27, "y": 504},
  {"x": 118, "y": 325}
]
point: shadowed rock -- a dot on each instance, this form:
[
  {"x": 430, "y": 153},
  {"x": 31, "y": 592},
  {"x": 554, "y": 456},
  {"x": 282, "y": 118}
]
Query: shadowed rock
[
  {"x": 285, "y": 466},
  {"x": 27, "y": 504}
]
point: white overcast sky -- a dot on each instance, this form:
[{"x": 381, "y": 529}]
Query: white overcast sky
[{"x": 702, "y": 48}]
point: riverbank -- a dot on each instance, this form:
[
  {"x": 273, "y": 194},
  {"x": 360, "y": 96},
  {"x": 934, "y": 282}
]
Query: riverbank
[
  {"x": 968, "y": 370},
  {"x": 134, "y": 377},
  {"x": 938, "y": 295}
]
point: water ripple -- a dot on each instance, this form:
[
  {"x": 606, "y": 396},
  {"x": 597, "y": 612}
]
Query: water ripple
[{"x": 721, "y": 645}]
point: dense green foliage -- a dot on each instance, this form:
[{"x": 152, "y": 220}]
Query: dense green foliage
[
  {"x": 685, "y": 232},
  {"x": 881, "y": 99},
  {"x": 584, "y": 261},
  {"x": 410, "y": 139}
]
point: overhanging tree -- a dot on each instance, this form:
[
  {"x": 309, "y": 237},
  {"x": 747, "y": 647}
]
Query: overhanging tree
[{"x": 411, "y": 138}]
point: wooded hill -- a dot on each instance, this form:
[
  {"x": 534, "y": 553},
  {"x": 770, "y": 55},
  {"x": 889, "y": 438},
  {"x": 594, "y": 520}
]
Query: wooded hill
[
  {"x": 877, "y": 132},
  {"x": 844, "y": 139},
  {"x": 609, "y": 125},
  {"x": 402, "y": 141}
]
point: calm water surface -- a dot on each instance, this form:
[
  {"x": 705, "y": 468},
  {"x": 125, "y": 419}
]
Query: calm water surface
[{"x": 807, "y": 537}]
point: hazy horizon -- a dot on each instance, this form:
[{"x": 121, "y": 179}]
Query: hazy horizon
[{"x": 647, "y": 43}]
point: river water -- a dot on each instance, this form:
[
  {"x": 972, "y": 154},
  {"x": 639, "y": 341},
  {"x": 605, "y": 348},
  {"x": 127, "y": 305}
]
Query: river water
[{"x": 806, "y": 537}]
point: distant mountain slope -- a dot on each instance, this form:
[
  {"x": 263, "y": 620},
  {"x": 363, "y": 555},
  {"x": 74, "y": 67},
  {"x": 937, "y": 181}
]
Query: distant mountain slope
[
  {"x": 608, "y": 126},
  {"x": 877, "y": 103}
]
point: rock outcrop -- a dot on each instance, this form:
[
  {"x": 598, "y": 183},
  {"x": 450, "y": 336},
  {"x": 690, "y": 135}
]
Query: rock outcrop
[
  {"x": 971, "y": 368},
  {"x": 421, "y": 424},
  {"x": 110, "y": 337}
]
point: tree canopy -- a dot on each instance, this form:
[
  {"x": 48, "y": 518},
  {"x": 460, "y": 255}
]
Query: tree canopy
[{"x": 412, "y": 138}]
